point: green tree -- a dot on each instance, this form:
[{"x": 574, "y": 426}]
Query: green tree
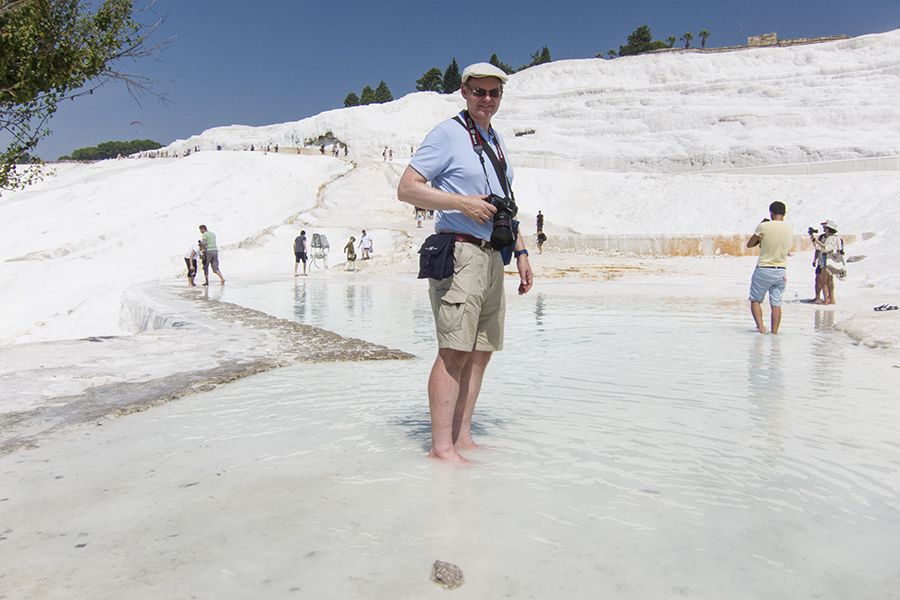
[
  {"x": 351, "y": 100},
  {"x": 545, "y": 56},
  {"x": 49, "y": 51},
  {"x": 382, "y": 93},
  {"x": 611, "y": 52},
  {"x": 686, "y": 38},
  {"x": 430, "y": 81},
  {"x": 452, "y": 80},
  {"x": 107, "y": 150},
  {"x": 671, "y": 41},
  {"x": 538, "y": 58},
  {"x": 367, "y": 96},
  {"x": 638, "y": 41},
  {"x": 502, "y": 66},
  {"x": 704, "y": 33}
]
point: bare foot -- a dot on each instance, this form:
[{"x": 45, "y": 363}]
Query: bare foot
[
  {"x": 452, "y": 457},
  {"x": 468, "y": 444}
]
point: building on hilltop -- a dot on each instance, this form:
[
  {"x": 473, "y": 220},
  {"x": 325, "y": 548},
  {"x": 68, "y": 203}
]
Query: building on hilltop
[{"x": 771, "y": 39}]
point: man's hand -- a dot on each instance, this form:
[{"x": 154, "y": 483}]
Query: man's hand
[
  {"x": 414, "y": 189},
  {"x": 525, "y": 274},
  {"x": 477, "y": 208}
]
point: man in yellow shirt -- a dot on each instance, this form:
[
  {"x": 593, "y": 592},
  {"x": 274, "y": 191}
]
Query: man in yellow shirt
[{"x": 774, "y": 239}]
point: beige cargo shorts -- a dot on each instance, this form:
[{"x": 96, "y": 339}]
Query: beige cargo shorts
[{"x": 469, "y": 307}]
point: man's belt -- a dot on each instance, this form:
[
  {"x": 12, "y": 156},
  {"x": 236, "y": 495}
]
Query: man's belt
[{"x": 471, "y": 239}]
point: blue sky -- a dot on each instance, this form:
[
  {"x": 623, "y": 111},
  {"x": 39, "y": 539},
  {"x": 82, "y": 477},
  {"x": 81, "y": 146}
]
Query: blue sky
[{"x": 273, "y": 61}]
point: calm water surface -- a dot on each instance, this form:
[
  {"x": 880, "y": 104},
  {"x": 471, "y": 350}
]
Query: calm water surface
[{"x": 640, "y": 446}]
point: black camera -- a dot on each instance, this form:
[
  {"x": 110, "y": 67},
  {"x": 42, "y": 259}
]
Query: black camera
[
  {"x": 503, "y": 235},
  {"x": 813, "y": 231}
]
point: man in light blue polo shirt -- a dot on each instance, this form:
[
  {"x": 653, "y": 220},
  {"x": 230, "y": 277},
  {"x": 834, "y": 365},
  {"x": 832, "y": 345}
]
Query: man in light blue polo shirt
[{"x": 469, "y": 307}]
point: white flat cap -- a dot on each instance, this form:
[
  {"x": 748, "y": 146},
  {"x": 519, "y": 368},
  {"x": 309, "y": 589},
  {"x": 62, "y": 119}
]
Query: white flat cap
[{"x": 479, "y": 70}]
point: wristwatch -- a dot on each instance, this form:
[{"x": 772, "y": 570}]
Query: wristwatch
[{"x": 519, "y": 253}]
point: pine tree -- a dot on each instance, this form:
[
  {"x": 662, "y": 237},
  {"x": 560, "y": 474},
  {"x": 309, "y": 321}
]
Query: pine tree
[
  {"x": 382, "y": 93},
  {"x": 351, "y": 100},
  {"x": 430, "y": 81},
  {"x": 367, "y": 96},
  {"x": 537, "y": 58},
  {"x": 638, "y": 41},
  {"x": 502, "y": 66},
  {"x": 545, "y": 56},
  {"x": 452, "y": 80}
]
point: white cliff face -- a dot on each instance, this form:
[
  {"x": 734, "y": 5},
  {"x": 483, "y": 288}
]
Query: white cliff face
[{"x": 666, "y": 112}]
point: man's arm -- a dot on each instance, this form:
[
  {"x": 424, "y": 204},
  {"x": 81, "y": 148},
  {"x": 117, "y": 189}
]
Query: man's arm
[
  {"x": 754, "y": 241},
  {"x": 414, "y": 189}
]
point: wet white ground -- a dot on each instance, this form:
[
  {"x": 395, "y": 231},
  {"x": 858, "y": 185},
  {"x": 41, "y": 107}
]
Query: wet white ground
[{"x": 643, "y": 444}]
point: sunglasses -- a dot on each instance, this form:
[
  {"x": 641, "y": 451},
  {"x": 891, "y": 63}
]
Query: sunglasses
[{"x": 481, "y": 92}]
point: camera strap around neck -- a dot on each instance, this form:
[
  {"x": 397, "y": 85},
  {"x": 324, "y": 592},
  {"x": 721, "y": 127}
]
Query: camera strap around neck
[{"x": 481, "y": 148}]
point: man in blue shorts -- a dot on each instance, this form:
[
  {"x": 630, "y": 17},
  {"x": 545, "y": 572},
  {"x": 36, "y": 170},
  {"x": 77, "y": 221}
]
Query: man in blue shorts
[
  {"x": 774, "y": 238},
  {"x": 469, "y": 306}
]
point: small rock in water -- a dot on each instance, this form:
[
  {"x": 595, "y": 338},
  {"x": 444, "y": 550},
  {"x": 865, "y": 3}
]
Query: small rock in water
[{"x": 450, "y": 576}]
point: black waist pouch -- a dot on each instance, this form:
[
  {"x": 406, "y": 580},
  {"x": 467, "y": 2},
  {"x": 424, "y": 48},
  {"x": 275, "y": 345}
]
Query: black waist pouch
[{"x": 436, "y": 256}]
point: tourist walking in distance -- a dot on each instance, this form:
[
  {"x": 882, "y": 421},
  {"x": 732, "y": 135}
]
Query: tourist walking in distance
[
  {"x": 300, "y": 252},
  {"x": 350, "y": 250},
  {"x": 468, "y": 304},
  {"x": 365, "y": 245}
]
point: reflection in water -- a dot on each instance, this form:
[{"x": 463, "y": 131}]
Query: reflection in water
[
  {"x": 824, "y": 321},
  {"x": 365, "y": 302},
  {"x": 350, "y": 299},
  {"x": 766, "y": 389},
  {"x": 299, "y": 301},
  {"x": 827, "y": 351},
  {"x": 539, "y": 310}
]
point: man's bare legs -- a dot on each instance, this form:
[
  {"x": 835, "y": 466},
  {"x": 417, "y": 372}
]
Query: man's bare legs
[
  {"x": 776, "y": 319},
  {"x": 756, "y": 311},
  {"x": 469, "y": 388},
  {"x": 452, "y": 392}
]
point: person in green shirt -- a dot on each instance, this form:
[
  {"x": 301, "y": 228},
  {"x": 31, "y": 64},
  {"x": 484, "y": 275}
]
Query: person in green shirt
[{"x": 212, "y": 254}]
